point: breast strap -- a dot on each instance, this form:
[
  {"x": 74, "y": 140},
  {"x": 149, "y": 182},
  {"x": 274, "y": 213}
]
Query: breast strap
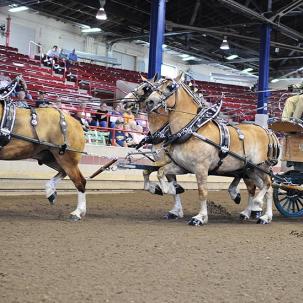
[{"x": 7, "y": 122}]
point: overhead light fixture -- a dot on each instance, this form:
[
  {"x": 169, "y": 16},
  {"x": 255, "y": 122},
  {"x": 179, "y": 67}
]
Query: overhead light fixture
[
  {"x": 18, "y": 9},
  {"x": 101, "y": 14},
  {"x": 91, "y": 30},
  {"x": 231, "y": 57},
  {"x": 189, "y": 58},
  {"x": 224, "y": 44},
  {"x": 274, "y": 80},
  {"x": 247, "y": 70},
  {"x": 183, "y": 56}
]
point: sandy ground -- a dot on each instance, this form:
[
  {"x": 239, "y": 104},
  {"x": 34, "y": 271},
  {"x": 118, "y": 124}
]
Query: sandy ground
[{"x": 123, "y": 251}]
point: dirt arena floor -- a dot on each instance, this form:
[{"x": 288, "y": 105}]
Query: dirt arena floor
[{"x": 123, "y": 251}]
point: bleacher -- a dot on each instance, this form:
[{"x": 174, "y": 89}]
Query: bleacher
[{"x": 239, "y": 103}]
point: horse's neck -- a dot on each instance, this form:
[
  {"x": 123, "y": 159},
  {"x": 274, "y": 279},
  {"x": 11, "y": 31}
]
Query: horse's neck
[
  {"x": 157, "y": 120},
  {"x": 185, "y": 110}
]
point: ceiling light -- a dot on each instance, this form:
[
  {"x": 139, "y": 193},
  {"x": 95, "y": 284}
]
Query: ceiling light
[
  {"x": 91, "y": 30},
  {"x": 246, "y": 70},
  {"x": 183, "y": 56},
  {"x": 231, "y": 57},
  {"x": 101, "y": 14},
  {"x": 18, "y": 9},
  {"x": 224, "y": 44},
  {"x": 274, "y": 80},
  {"x": 189, "y": 58}
]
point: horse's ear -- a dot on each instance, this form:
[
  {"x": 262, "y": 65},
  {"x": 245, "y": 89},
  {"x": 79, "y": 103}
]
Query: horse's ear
[
  {"x": 179, "y": 77},
  {"x": 155, "y": 77},
  {"x": 143, "y": 78}
]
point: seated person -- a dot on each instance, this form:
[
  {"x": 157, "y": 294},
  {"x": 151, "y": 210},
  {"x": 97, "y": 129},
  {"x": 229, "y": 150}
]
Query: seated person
[
  {"x": 117, "y": 137},
  {"x": 293, "y": 107},
  {"x": 21, "y": 102},
  {"x": 51, "y": 56},
  {"x": 116, "y": 115},
  {"x": 42, "y": 102},
  {"x": 128, "y": 135},
  {"x": 101, "y": 115},
  {"x": 72, "y": 57},
  {"x": 137, "y": 134},
  {"x": 80, "y": 116},
  {"x": 128, "y": 116}
]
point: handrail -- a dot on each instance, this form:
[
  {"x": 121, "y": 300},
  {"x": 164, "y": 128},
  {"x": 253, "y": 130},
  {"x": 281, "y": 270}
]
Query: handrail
[{"x": 37, "y": 44}]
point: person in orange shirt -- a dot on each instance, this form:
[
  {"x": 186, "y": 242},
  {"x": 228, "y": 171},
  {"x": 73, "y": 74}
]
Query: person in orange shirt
[{"x": 128, "y": 117}]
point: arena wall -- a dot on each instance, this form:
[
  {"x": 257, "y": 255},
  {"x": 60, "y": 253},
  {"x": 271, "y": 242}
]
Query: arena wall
[{"x": 28, "y": 176}]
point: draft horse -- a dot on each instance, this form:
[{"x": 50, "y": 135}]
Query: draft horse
[
  {"x": 158, "y": 126},
  {"x": 48, "y": 135},
  {"x": 194, "y": 154}
]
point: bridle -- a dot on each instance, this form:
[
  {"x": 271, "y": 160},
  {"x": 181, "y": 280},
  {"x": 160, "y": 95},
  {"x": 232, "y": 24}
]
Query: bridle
[{"x": 173, "y": 88}]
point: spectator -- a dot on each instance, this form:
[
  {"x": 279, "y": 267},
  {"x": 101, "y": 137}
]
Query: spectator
[
  {"x": 137, "y": 134},
  {"x": 42, "y": 102},
  {"x": 21, "y": 102},
  {"x": 129, "y": 138},
  {"x": 80, "y": 116},
  {"x": 84, "y": 113},
  {"x": 72, "y": 57},
  {"x": 117, "y": 137},
  {"x": 51, "y": 56},
  {"x": 58, "y": 104},
  {"x": 128, "y": 116},
  {"x": 53, "y": 53},
  {"x": 101, "y": 116},
  {"x": 115, "y": 115}
]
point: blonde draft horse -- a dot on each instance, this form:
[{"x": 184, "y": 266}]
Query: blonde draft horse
[
  {"x": 48, "y": 129},
  {"x": 199, "y": 157},
  {"x": 156, "y": 122}
]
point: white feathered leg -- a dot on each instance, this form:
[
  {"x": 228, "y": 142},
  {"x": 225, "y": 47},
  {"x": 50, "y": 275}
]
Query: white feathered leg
[
  {"x": 80, "y": 211},
  {"x": 50, "y": 187}
]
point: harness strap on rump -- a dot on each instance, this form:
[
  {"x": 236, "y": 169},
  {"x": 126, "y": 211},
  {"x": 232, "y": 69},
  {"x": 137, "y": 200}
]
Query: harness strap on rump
[
  {"x": 7, "y": 122},
  {"x": 63, "y": 126},
  {"x": 34, "y": 121}
]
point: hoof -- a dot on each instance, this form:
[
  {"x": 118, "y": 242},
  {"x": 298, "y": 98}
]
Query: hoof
[
  {"x": 158, "y": 191},
  {"x": 73, "y": 218},
  {"x": 179, "y": 189},
  {"x": 170, "y": 216},
  {"x": 195, "y": 222},
  {"x": 238, "y": 199},
  {"x": 261, "y": 221},
  {"x": 243, "y": 218},
  {"x": 52, "y": 198},
  {"x": 256, "y": 214}
]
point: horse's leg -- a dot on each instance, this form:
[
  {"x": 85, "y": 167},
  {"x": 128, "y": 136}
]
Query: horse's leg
[
  {"x": 177, "y": 211},
  {"x": 202, "y": 217},
  {"x": 146, "y": 174},
  {"x": 233, "y": 190},
  {"x": 251, "y": 188},
  {"x": 70, "y": 166},
  {"x": 170, "y": 187},
  {"x": 267, "y": 217},
  {"x": 50, "y": 187}
]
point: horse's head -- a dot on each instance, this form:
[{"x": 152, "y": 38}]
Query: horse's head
[
  {"x": 135, "y": 98},
  {"x": 164, "y": 95}
]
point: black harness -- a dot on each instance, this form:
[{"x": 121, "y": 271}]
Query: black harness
[{"x": 7, "y": 122}]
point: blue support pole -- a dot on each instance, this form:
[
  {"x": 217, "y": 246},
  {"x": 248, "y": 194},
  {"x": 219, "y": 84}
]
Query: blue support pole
[
  {"x": 264, "y": 69},
  {"x": 157, "y": 25}
]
